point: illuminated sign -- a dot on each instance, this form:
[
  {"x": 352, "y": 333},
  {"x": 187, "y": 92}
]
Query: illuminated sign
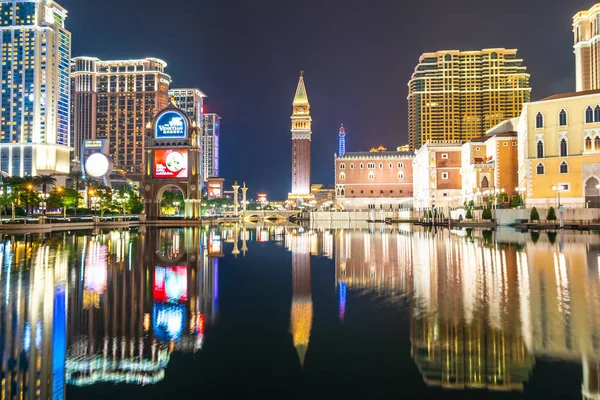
[
  {"x": 170, "y": 284},
  {"x": 215, "y": 190},
  {"x": 262, "y": 197},
  {"x": 171, "y": 125},
  {"x": 169, "y": 322},
  {"x": 170, "y": 164},
  {"x": 93, "y": 144}
]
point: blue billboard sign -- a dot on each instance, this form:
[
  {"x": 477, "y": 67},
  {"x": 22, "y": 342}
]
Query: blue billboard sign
[{"x": 171, "y": 125}]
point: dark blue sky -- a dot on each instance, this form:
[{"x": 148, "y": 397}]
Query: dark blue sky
[{"x": 357, "y": 56}]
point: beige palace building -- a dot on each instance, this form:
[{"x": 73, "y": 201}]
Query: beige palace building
[
  {"x": 437, "y": 180},
  {"x": 559, "y": 150}
]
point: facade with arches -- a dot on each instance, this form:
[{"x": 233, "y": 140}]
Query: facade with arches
[
  {"x": 563, "y": 153},
  {"x": 173, "y": 162},
  {"x": 374, "y": 180}
]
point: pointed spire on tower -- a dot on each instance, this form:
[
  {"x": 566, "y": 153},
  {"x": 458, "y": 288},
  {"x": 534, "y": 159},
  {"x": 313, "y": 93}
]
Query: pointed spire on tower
[
  {"x": 342, "y": 130},
  {"x": 301, "y": 97}
]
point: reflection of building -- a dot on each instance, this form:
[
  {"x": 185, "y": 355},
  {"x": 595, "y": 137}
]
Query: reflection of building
[
  {"x": 301, "y": 143},
  {"x": 455, "y": 96},
  {"x": 191, "y": 101},
  {"x": 586, "y": 41},
  {"x": 368, "y": 180},
  {"x": 559, "y": 147},
  {"x": 302, "y": 308},
  {"x": 33, "y": 320},
  {"x": 436, "y": 175},
  {"x": 144, "y": 310},
  {"x": 211, "y": 131},
  {"x": 114, "y": 100},
  {"x": 34, "y": 107}
]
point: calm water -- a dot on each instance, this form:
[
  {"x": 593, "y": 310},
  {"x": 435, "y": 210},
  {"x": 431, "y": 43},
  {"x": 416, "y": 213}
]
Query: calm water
[{"x": 369, "y": 312}]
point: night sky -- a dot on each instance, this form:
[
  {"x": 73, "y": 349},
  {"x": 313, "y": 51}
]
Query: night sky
[{"x": 357, "y": 55}]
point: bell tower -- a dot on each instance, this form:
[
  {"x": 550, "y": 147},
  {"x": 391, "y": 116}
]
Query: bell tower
[{"x": 301, "y": 133}]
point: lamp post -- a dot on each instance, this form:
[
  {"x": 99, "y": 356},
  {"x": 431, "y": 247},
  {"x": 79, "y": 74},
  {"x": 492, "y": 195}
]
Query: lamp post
[
  {"x": 176, "y": 204},
  {"x": 559, "y": 189},
  {"x": 95, "y": 204},
  {"x": 44, "y": 204}
]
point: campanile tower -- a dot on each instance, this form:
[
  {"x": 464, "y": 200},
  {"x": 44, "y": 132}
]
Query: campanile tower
[{"x": 301, "y": 132}]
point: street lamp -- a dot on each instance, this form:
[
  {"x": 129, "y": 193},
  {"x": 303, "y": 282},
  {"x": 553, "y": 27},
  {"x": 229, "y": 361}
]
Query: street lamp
[
  {"x": 557, "y": 189},
  {"x": 44, "y": 204},
  {"x": 176, "y": 204},
  {"x": 95, "y": 204}
]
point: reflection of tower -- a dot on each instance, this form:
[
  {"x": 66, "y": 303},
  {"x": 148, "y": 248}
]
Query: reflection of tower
[
  {"x": 342, "y": 141},
  {"x": 301, "y": 133},
  {"x": 302, "y": 310}
]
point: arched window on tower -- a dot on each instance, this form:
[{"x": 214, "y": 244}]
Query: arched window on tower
[
  {"x": 564, "y": 168},
  {"x": 588, "y": 144},
  {"x": 597, "y": 143},
  {"x": 540, "y": 149},
  {"x": 342, "y": 176},
  {"x": 540, "y": 169},
  {"x": 597, "y": 114},
  {"x": 371, "y": 175}
]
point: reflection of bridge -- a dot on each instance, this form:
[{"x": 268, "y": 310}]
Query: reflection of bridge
[{"x": 264, "y": 216}]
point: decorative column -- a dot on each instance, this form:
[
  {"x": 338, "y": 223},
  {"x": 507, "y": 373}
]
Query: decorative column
[
  {"x": 244, "y": 204},
  {"x": 236, "y": 204}
]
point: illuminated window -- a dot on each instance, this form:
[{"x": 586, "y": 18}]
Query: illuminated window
[
  {"x": 401, "y": 175},
  {"x": 564, "y": 168},
  {"x": 588, "y": 144},
  {"x": 540, "y": 169},
  {"x": 342, "y": 176},
  {"x": 401, "y": 165},
  {"x": 562, "y": 118},
  {"x": 371, "y": 175}
]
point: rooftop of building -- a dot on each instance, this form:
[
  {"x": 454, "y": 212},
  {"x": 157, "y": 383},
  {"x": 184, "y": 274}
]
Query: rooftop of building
[
  {"x": 378, "y": 154},
  {"x": 485, "y": 138},
  {"x": 571, "y": 94},
  {"x": 586, "y": 13}
]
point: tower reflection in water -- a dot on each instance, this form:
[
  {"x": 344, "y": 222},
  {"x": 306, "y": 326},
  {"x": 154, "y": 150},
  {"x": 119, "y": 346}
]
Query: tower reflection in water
[
  {"x": 482, "y": 311},
  {"x": 138, "y": 298}
]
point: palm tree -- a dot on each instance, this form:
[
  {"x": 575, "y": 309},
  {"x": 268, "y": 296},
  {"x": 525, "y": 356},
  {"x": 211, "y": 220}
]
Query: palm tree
[
  {"x": 77, "y": 180},
  {"x": 45, "y": 180}
]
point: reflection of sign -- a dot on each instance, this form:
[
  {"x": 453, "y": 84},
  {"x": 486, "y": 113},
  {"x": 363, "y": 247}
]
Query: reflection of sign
[
  {"x": 215, "y": 190},
  {"x": 214, "y": 245},
  {"x": 171, "y": 125},
  {"x": 169, "y": 164},
  {"x": 95, "y": 275},
  {"x": 169, "y": 322},
  {"x": 170, "y": 284}
]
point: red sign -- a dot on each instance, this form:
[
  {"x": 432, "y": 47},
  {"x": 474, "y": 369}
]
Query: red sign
[
  {"x": 215, "y": 190},
  {"x": 170, "y": 164}
]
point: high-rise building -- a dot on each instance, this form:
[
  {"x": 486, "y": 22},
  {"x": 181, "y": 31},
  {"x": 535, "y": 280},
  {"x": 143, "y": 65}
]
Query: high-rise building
[
  {"x": 34, "y": 107},
  {"x": 301, "y": 134},
  {"x": 454, "y": 96},
  {"x": 587, "y": 49},
  {"x": 342, "y": 141},
  {"x": 211, "y": 129},
  {"x": 191, "y": 101},
  {"x": 115, "y": 100}
]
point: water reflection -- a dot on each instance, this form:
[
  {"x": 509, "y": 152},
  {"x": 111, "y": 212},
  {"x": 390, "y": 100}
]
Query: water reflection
[
  {"x": 113, "y": 307},
  {"x": 481, "y": 311}
]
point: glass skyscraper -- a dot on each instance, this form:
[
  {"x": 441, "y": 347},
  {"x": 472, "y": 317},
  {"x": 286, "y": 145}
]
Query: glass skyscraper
[{"x": 35, "y": 88}]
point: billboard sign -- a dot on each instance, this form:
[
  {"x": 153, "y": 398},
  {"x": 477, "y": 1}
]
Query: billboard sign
[
  {"x": 215, "y": 190},
  {"x": 170, "y": 164},
  {"x": 171, "y": 125}
]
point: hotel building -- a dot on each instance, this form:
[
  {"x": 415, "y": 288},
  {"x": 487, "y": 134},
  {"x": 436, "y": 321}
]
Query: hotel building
[
  {"x": 587, "y": 49},
  {"x": 488, "y": 165},
  {"x": 115, "y": 100},
  {"x": 34, "y": 107},
  {"x": 191, "y": 101},
  {"x": 211, "y": 131},
  {"x": 454, "y": 96},
  {"x": 559, "y": 150},
  {"x": 437, "y": 180},
  {"x": 374, "y": 180}
]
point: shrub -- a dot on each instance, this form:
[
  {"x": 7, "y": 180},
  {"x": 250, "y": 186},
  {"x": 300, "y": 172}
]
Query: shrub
[
  {"x": 469, "y": 214},
  {"x": 552, "y": 237},
  {"x": 535, "y": 215},
  {"x": 487, "y": 214},
  {"x": 535, "y": 236},
  {"x": 551, "y": 214}
]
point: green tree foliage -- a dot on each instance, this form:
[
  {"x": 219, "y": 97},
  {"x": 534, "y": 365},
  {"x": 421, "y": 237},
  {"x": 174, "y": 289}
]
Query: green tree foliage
[
  {"x": 469, "y": 214},
  {"x": 516, "y": 201},
  {"x": 551, "y": 216},
  {"x": 487, "y": 214},
  {"x": 535, "y": 215},
  {"x": 45, "y": 181}
]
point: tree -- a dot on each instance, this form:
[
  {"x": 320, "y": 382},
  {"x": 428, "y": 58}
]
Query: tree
[
  {"x": 471, "y": 203},
  {"x": 63, "y": 198},
  {"x": 127, "y": 199},
  {"x": 486, "y": 214},
  {"x": 45, "y": 181},
  {"x": 469, "y": 214},
  {"x": 535, "y": 215},
  {"x": 77, "y": 181},
  {"x": 516, "y": 201},
  {"x": 551, "y": 214}
]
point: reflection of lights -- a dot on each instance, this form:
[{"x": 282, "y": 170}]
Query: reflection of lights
[
  {"x": 342, "y": 302},
  {"x": 27, "y": 337},
  {"x": 170, "y": 284},
  {"x": 96, "y": 268},
  {"x": 169, "y": 322}
]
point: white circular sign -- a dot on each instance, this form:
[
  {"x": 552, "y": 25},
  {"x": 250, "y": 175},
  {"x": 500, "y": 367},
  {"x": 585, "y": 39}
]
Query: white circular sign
[{"x": 97, "y": 165}]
